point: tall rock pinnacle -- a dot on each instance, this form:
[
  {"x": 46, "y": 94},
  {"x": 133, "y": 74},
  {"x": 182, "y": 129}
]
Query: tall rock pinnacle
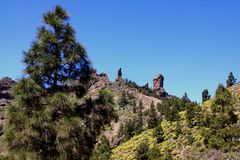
[{"x": 158, "y": 83}]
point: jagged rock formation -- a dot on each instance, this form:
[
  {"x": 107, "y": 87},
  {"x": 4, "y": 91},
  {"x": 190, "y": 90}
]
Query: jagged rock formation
[
  {"x": 158, "y": 83},
  {"x": 98, "y": 81}
]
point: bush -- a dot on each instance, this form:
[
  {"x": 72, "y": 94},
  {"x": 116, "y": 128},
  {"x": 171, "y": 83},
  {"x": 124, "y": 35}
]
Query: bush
[
  {"x": 154, "y": 153},
  {"x": 158, "y": 132},
  {"x": 142, "y": 151}
]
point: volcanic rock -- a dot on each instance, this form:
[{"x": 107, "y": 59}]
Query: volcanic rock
[
  {"x": 98, "y": 81},
  {"x": 6, "y": 84},
  {"x": 158, "y": 83}
]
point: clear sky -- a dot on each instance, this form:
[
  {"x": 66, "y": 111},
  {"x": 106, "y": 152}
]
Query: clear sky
[{"x": 193, "y": 43}]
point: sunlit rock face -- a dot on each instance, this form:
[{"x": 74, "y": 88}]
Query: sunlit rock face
[
  {"x": 158, "y": 83},
  {"x": 98, "y": 81}
]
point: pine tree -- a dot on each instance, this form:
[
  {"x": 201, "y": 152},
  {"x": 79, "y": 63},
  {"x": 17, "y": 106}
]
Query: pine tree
[
  {"x": 134, "y": 107},
  {"x": 152, "y": 117},
  {"x": 223, "y": 99},
  {"x": 190, "y": 112},
  {"x": 178, "y": 129},
  {"x": 102, "y": 150},
  {"x": 231, "y": 80},
  {"x": 129, "y": 129},
  {"x": 170, "y": 108},
  {"x": 154, "y": 153},
  {"x": 120, "y": 72},
  {"x": 140, "y": 105},
  {"x": 185, "y": 98},
  {"x": 123, "y": 100},
  {"x": 142, "y": 151},
  {"x": 139, "y": 118},
  {"x": 205, "y": 95},
  {"x": 158, "y": 132},
  {"x": 49, "y": 119},
  {"x": 222, "y": 117}
]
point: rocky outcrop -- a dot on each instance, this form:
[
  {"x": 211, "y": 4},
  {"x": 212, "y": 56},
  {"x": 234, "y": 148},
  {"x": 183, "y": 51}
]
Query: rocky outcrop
[
  {"x": 6, "y": 84},
  {"x": 158, "y": 83},
  {"x": 98, "y": 81}
]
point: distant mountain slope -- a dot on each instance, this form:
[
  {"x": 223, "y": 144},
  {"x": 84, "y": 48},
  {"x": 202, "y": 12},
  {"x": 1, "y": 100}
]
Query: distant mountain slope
[{"x": 126, "y": 113}]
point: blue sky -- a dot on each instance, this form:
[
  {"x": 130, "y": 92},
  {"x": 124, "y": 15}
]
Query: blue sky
[{"x": 193, "y": 43}]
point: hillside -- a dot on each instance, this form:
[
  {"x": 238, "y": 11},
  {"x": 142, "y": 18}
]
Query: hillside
[
  {"x": 187, "y": 142},
  {"x": 133, "y": 95},
  {"x": 181, "y": 141},
  {"x": 235, "y": 90},
  {"x": 184, "y": 143},
  {"x": 127, "y": 149}
]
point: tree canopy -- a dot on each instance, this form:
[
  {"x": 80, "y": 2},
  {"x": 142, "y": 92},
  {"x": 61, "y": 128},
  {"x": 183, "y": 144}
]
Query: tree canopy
[
  {"x": 49, "y": 117},
  {"x": 231, "y": 80},
  {"x": 205, "y": 95}
]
